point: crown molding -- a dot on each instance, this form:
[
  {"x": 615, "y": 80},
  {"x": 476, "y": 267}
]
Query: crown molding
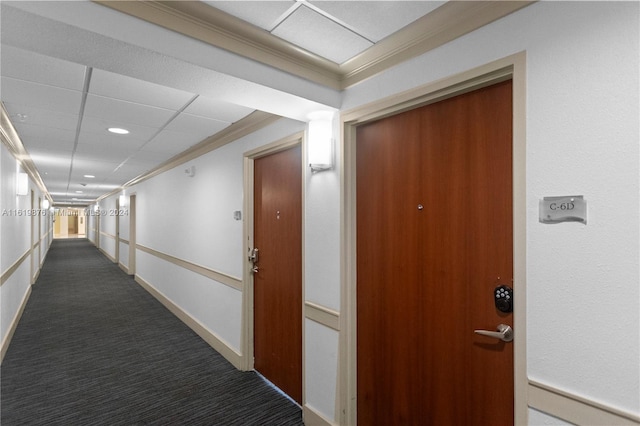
[
  {"x": 202, "y": 22},
  {"x": 446, "y": 23}
]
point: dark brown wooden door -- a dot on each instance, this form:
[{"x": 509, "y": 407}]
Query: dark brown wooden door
[
  {"x": 278, "y": 282},
  {"x": 434, "y": 238}
]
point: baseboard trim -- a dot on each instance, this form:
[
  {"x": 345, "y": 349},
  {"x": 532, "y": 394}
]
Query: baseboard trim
[
  {"x": 36, "y": 275},
  {"x": 313, "y": 418},
  {"x": 576, "y": 409},
  {"x": 207, "y": 335},
  {"x": 14, "y": 323},
  {"x": 124, "y": 268},
  {"x": 108, "y": 256}
]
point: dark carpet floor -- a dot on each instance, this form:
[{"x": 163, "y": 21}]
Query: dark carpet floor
[{"x": 94, "y": 348}]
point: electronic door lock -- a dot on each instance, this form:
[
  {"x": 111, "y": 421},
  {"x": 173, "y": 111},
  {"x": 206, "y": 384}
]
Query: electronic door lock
[
  {"x": 504, "y": 298},
  {"x": 253, "y": 255}
]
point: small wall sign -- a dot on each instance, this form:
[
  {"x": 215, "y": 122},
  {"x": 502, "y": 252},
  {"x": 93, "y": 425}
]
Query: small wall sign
[{"x": 563, "y": 209}]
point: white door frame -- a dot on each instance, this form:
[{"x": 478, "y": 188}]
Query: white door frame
[
  {"x": 132, "y": 235},
  {"x": 117, "y": 248},
  {"x": 512, "y": 67},
  {"x": 32, "y": 241}
]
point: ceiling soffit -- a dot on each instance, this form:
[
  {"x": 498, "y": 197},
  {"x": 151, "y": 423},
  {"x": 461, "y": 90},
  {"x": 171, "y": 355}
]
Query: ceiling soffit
[{"x": 205, "y": 23}]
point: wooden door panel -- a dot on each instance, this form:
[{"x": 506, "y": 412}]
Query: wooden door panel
[
  {"x": 454, "y": 158},
  {"x": 383, "y": 204},
  {"x": 278, "y": 282}
]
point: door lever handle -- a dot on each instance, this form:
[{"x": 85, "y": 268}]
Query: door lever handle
[{"x": 504, "y": 333}]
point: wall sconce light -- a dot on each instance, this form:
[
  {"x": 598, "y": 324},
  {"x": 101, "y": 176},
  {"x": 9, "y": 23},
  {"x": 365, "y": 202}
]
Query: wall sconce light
[
  {"x": 45, "y": 204},
  {"x": 122, "y": 200},
  {"x": 320, "y": 141},
  {"x": 22, "y": 184}
]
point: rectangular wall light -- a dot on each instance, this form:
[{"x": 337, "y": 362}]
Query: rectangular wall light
[{"x": 22, "y": 184}]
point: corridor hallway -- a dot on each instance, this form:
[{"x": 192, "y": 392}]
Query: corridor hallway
[{"x": 94, "y": 348}]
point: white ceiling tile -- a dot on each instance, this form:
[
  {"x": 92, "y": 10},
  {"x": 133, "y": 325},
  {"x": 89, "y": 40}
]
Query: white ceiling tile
[
  {"x": 99, "y": 126},
  {"x": 147, "y": 155},
  {"x": 58, "y": 190},
  {"x": 217, "y": 110},
  {"x": 53, "y": 166},
  {"x": 78, "y": 191},
  {"x": 56, "y": 182},
  {"x": 144, "y": 164},
  {"x": 53, "y": 159},
  {"x": 106, "y": 186},
  {"x": 260, "y": 13},
  {"x": 53, "y": 175},
  {"x": 118, "y": 111},
  {"x": 44, "y": 97},
  {"x": 24, "y": 65},
  {"x": 116, "y": 86},
  {"x": 110, "y": 141},
  {"x": 109, "y": 153},
  {"x": 41, "y": 117},
  {"x": 39, "y": 137},
  {"x": 316, "y": 33},
  {"x": 171, "y": 142},
  {"x": 126, "y": 173},
  {"x": 87, "y": 165},
  {"x": 376, "y": 20},
  {"x": 197, "y": 126},
  {"x": 78, "y": 182}
]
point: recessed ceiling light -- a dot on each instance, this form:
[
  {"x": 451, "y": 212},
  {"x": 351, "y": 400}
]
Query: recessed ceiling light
[
  {"x": 118, "y": 130},
  {"x": 78, "y": 192},
  {"x": 89, "y": 176}
]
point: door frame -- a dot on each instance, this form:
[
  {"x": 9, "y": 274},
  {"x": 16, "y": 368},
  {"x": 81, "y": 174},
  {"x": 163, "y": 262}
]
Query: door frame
[
  {"x": 32, "y": 241},
  {"x": 512, "y": 67},
  {"x": 131, "y": 269},
  {"x": 247, "y": 348},
  {"x": 117, "y": 248}
]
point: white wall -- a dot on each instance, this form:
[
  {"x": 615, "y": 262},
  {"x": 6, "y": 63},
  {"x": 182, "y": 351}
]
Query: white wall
[
  {"x": 583, "y": 299},
  {"x": 191, "y": 218},
  {"x": 322, "y": 284},
  {"x": 92, "y": 223},
  {"x": 538, "y": 418},
  {"x": 108, "y": 216},
  {"x": 15, "y": 237},
  {"x": 16, "y": 225}
]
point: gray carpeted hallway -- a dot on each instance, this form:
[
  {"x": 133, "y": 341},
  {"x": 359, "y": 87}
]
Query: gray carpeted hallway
[{"x": 94, "y": 348}]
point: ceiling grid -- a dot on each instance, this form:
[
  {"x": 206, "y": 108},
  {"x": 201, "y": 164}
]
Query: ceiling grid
[{"x": 70, "y": 70}]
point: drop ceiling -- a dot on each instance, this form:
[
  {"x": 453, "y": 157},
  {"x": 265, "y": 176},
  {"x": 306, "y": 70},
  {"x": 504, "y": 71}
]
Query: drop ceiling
[{"x": 71, "y": 70}]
